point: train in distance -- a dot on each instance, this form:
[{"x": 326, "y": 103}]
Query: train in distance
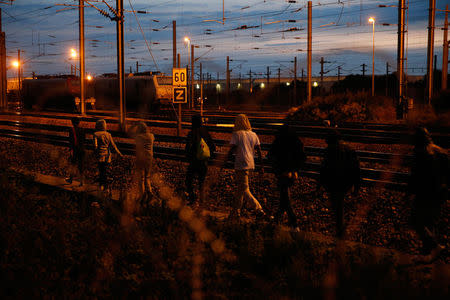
[{"x": 146, "y": 92}]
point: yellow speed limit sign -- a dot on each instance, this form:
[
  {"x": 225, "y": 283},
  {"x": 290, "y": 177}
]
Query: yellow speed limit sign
[
  {"x": 179, "y": 77},
  {"x": 179, "y": 94}
]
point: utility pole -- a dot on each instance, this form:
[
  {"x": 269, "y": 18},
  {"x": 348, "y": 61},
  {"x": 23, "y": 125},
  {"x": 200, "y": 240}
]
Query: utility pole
[
  {"x": 445, "y": 52},
  {"x": 120, "y": 66},
  {"x": 339, "y": 73},
  {"x": 82, "y": 63},
  {"x": 201, "y": 90},
  {"x": 176, "y": 64},
  {"x": 137, "y": 66},
  {"x": 174, "y": 43},
  {"x": 279, "y": 84},
  {"x": 192, "y": 75},
  {"x": 19, "y": 83},
  {"x": 387, "y": 78},
  {"x": 227, "y": 88},
  {"x": 401, "y": 57},
  {"x": 268, "y": 76},
  {"x": 294, "y": 101},
  {"x": 4, "y": 100},
  {"x": 363, "y": 69},
  {"x": 303, "y": 74},
  {"x": 321, "y": 70},
  {"x": 309, "y": 50},
  {"x": 251, "y": 85},
  {"x": 430, "y": 51}
]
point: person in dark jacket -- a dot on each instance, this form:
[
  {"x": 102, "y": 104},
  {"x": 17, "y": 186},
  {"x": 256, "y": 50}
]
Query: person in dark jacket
[
  {"x": 197, "y": 167},
  {"x": 77, "y": 138},
  {"x": 428, "y": 184},
  {"x": 339, "y": 172},
  {"x": 287, "y": 156}
]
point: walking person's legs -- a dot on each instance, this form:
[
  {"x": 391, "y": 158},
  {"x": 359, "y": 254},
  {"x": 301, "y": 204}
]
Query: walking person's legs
[
  {"x": 102, "y": 176},
  {"x": 241, "y": 186},
  {"x": 285, "y": 204},
  {"x": 202, "y": 186},
  {"x": 147, "y": 178},
  {"x": 189, "y": 183},
  {"x": 253, "y": 202},
  {"x": 337, "y": 200}
]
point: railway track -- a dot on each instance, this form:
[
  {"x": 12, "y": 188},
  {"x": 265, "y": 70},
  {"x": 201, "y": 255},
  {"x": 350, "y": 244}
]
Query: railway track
[
  {"x": 57, "y": 135},
  {"x": 368, "y": 134}
]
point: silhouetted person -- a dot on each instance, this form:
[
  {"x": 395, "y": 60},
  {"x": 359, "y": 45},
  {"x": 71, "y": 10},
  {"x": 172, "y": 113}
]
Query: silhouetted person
[
  {"x": 103, "y": 144},
  {"x": 198, "y": 163},
  {"x": 338, "y": 174},
  {"x": 144, "y": 157},
  {"x": 429, "y": 184},
  {"x": 287, "y": 156},
  {"x": 243, "y": 143},
  {"x": 77, "y": 138}
]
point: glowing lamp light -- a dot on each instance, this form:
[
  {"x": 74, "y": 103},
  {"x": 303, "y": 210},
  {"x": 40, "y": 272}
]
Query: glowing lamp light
[
  {"x": 288, "y": 83},
  {"x": 263, "y": 85},
  {"x": 73, "y": 53},
  {"x": 187, "y": 39},
  {"x": 315, "y": 84},
  {"x": 15, "y": 64},
  {"x": 371, "y": 20},
  {"x": 197, "y": 86},
  {"x": 218, "y": 86},
  {"x": 239, "y": 85},
  {"x": 89, "y": 77}
]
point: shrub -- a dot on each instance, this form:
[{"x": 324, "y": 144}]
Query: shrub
[{"x": 346, "y": 107}]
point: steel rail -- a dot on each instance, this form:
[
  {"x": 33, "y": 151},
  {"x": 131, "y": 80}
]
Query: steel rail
[
  {"x": 356, "y": 135},
  {"x": 370, "y": 156}
]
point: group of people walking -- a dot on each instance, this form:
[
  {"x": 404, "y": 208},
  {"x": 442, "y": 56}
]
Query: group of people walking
[{"x": 339, "y": 172}]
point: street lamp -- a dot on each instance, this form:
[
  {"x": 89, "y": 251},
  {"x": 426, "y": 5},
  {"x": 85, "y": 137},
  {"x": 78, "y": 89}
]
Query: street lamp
[
  {"x": 73, "y": 55},
  {"x": 187, "y": 40},
  {"x": 16, "y": 64},
  {"x": 372, "y": 20}
]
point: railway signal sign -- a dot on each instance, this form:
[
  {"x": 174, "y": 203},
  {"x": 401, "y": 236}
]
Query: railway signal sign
[
  {"x": 179, "y": 94},
  {"x": 179, "y": 77}
]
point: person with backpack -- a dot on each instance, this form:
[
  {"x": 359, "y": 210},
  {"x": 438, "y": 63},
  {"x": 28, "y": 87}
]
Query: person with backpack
[
  {"x": 243, "y": 143},
  {"x": 144, "y": 158},
  {"x": 103, "y": 144},
  {"x": 199, "y": 149},
  {"x": 77, "y": 138},
  {"x": 428, "y": 185},
  {"x": 339, "y": 173},
  {"x": 287, "y": 156}
]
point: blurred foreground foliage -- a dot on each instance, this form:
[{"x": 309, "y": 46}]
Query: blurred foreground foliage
[{"x": 57, "y": 244}]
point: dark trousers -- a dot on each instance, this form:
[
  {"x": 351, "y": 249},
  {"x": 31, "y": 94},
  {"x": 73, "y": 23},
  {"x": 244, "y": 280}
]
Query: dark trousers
[
  {"x": 337, "y": 202},
  {"x": 424, "y": 214},
  {"x": 103, "y": 173},
  {"x": 195, "y": 169},
  {"x": 284, "y": 184}
]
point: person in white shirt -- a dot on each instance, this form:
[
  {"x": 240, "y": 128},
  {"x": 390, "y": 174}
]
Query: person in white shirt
[{"x": 243, "y": 143}]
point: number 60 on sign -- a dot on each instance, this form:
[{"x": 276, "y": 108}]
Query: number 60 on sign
[{"x": 179, "y": 77}]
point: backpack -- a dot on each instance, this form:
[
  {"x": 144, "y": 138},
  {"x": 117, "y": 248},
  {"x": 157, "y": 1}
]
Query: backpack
[{"x": 203, "y": 150}]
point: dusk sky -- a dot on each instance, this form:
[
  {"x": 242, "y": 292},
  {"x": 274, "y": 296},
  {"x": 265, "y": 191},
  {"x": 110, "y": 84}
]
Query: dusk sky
[{"x": 46, "y": 30}]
